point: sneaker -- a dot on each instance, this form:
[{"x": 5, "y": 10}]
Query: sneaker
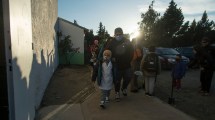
[
  {"x": 107, "y": 100},
  {"x": 134, "y": 91},
  {"x": 148, "y": 94},
  {"x": 117, "y": 97},
  {"x": 201, "y": 91},
  {"x": 205, "y": 94},
  {"x": 124, "y": 92},
  {"x": 102, "y": 104}
]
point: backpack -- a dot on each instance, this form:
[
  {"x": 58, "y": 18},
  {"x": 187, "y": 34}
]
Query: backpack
[{"x": 151, "y": 63}]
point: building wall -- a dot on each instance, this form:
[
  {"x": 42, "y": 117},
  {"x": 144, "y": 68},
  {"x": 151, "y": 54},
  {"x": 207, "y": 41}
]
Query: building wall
[
  {"x": 77, "y": 37},
  {"x": 45, "y": 51},
  {"x": 33, "y": 52}
]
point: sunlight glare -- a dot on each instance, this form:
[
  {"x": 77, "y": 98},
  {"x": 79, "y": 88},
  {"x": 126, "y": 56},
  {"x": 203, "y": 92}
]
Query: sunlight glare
[{"x": 134, "y": 34}]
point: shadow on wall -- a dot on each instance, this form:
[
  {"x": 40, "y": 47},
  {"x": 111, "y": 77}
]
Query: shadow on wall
[{"x": 29, "y": 92}]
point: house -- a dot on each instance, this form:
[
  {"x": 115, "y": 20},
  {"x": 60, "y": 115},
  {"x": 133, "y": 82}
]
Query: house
[{"x": 77, "y": 36}]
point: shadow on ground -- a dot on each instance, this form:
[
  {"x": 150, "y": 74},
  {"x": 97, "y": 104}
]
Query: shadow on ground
[{"x": 66, "y": 83}]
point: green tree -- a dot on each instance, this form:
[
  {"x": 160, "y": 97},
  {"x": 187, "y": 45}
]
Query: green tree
[
  {"x": 102, "y": 33},
  {"x": 172, "y": 20},
  {"x": 203, "y": 26},
  {"x": 66, "y": 48},
  {"x": 192, "y": 30},
  {"x": 147, "y": 24},
  {"x": 182, "y": 36}
]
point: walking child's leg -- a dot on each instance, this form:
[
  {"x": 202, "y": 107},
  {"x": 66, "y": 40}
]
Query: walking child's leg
[
  {"x": 103, "y": 96},
  {"x": 178, "y": 84},
  {"x": 146, "y": 85},
  {"x": 151, "y": 85}
]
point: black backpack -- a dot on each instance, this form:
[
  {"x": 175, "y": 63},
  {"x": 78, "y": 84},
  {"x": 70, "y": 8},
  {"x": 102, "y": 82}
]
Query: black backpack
[{"x": 151, "y": 63}]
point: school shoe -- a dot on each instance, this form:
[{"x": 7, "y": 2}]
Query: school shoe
[
  {"x": 134, "y": 91},
  {"x": 117, "y": 97},
  {"x": 205, "y": 94},
  {"x": 148, "y": 94},
  {"x": 107, "y": 100},
  {"x": 124, "y": 92},
  {"x": 102, "y": 104}
]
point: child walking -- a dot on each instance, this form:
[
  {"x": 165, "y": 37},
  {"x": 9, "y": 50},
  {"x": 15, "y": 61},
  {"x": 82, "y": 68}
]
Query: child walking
[
  {"x": 178, "y": 72},
  {"x": 104, "y": 76}
]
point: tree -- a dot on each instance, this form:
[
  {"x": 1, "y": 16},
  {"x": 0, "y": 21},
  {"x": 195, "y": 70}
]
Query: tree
[
  {"x": 146, "y": 25},
  {"x": 102, "y": 33},
  {"x": 182, "y": 36},
  {"x": 66, "y": 48},
  {"x": 192, "y": 30},
  {"x": 203, "y": 26},
  {"x": 173, "y": 19}
]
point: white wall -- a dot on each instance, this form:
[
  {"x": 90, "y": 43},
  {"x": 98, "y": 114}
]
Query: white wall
[
  {"x": 22, "y": 56},
  {"x": 76, "y": 33},
  {"x": 77, "y": 37},
  {"x": 32, "y": 68}
]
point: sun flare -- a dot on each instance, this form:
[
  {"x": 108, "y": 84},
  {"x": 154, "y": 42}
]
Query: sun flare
[{"x": 134, "y": 34}]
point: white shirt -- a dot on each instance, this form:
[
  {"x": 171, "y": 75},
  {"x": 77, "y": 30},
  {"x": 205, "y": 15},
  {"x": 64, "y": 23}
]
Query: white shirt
[{"x": 107, "y": 76}]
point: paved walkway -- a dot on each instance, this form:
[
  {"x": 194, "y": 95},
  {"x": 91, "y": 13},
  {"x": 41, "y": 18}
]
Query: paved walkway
[{"x": 136, "y": 106}]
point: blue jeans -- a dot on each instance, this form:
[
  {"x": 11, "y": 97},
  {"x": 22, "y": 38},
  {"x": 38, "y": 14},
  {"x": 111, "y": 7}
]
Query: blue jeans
[{"x": 124, "y": 74}]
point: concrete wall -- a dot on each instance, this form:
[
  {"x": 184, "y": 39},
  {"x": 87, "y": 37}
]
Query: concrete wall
[
  {"x": 45, "y": 54},
  {"x": 22, "y": 57},
  {"x": 31, "y": 31},
  {"x": 77, "y": 37}
]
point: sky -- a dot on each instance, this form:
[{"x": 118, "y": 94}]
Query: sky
[{"x": 126, "y": 13}]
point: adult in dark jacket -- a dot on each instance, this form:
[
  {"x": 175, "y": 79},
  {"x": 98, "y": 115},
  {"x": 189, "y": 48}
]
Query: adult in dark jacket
[
  {"x": 122, "y": 53},
  {"x": 206, "y": 66},
  {"x": 205, "y": 58}
]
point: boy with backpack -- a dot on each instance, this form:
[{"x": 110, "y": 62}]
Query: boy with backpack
[{"x": 150, "y": 66}]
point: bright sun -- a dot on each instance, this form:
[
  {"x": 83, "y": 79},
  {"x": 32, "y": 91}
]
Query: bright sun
[
  {"x": 133, "y": 31},
  {"x": 134, "y": 34}
]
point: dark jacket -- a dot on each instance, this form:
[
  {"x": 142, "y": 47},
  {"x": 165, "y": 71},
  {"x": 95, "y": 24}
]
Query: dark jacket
[
  {"x": 207, "y": 60},
  {"x": 122, "y": 53},
  {"x": 205, "y": 57},
  {"x": 178, "y": 70}
]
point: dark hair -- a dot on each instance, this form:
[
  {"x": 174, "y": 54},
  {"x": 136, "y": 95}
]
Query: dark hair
[
  {"x": 205, "y": 39},
  {"x": 152, "y": 49},
  {"x": 118, "y": 30},
  {"x": 197, "y": 48}
]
